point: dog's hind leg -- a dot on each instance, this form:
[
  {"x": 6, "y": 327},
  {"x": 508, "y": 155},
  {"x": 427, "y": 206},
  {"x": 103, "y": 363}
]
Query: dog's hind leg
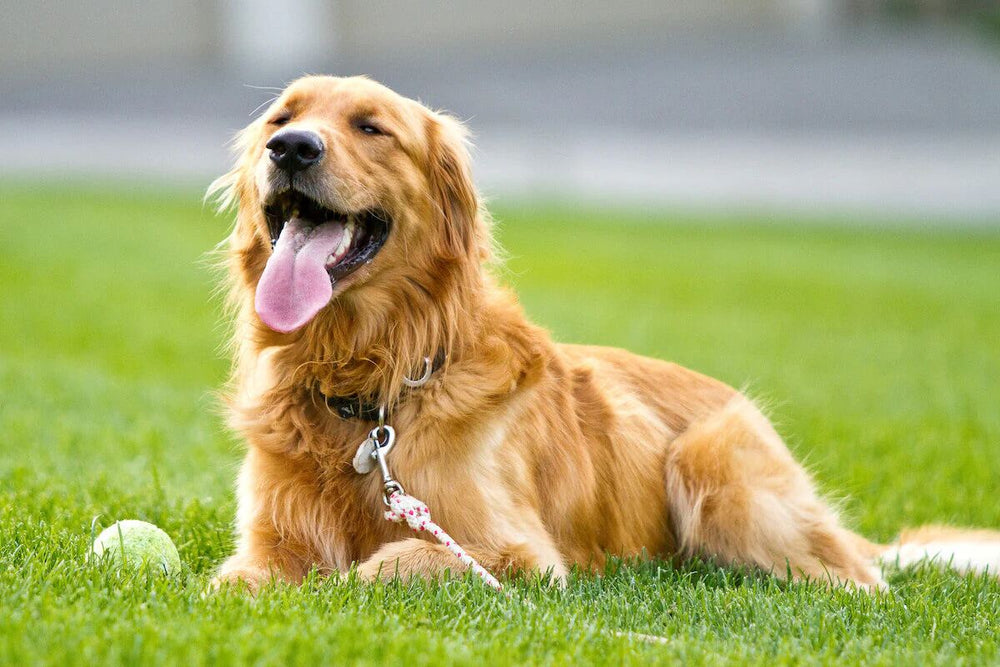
[
  {"x": 961, "y": 549},
  {"x": 736, "y": 495}
]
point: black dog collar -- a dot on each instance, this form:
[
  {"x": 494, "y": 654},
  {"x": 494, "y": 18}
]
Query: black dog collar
[{"x": 357, "y": 407}]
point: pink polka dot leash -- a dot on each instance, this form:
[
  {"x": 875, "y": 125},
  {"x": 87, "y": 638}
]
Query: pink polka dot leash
[{"x": 403, "y": 507}]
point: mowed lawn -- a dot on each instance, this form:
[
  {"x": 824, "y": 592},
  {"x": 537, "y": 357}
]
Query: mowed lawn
[{"x": 877, "y": 352}]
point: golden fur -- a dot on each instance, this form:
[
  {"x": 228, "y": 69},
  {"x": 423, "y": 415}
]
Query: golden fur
[{"x": 532, "y": 454}]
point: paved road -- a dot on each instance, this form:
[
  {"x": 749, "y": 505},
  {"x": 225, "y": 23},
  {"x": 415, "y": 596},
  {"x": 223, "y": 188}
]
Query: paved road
[{"x": 881, "y": 122}]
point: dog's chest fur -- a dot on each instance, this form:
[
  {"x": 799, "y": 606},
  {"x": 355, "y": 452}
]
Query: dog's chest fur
[{"x": 299, "y": 471}]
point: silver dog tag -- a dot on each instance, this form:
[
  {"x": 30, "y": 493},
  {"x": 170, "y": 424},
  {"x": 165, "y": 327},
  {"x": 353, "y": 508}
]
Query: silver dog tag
[{"x": 364, "y": 460}]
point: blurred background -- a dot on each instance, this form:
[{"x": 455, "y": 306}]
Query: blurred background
[
  {"x": 887, "y": 107},
  {"x": 798, "y": 197}
]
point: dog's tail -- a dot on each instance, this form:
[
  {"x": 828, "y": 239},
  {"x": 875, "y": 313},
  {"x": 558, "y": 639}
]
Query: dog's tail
[{"x": 961, "y": 549}]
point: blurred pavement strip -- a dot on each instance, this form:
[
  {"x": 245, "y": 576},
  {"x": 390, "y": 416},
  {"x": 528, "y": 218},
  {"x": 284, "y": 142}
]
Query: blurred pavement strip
[
  {"x": 946, "y": 176},
  {"x": 922, "y": 177}
]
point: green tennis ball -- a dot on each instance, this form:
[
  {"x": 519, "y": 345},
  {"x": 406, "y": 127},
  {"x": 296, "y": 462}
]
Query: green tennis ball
[{"x": 135, "y": 545}]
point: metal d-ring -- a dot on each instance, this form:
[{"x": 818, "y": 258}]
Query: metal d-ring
[{"x": 428, "y": 370}]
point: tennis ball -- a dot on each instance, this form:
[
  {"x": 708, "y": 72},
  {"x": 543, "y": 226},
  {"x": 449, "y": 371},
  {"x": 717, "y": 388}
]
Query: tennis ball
[{"x": 136, "y": 544}]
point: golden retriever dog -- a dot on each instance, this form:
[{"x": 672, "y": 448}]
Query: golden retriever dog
[{"x": 361, "y": 258}]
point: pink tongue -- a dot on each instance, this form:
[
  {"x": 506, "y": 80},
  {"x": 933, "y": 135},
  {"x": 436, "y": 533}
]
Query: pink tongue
[{"x": 295, "y": 285}]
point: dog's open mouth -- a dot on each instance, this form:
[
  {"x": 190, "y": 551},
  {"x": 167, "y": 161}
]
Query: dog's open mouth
[
  {"x": 364, "y": 233},
  {"x": 314, "y": 248}
]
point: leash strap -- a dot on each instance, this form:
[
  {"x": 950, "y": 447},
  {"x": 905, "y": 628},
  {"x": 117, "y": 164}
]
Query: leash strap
[
  {"x": 404, "y": 507},
  {"x": 374, "y": 452}
]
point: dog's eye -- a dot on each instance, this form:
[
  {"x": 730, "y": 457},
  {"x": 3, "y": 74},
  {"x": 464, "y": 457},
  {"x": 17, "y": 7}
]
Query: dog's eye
[
  {"x": 280, "y": 119},
  {"x": 369, "y": 128}
]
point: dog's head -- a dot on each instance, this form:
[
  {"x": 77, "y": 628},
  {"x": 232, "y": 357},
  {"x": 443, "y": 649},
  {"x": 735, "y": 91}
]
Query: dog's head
[{"x": 344, "y": 187}]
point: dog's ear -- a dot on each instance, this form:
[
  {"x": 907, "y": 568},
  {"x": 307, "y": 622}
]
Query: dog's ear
[
  {"x": 247, "y": 244},
  {"x": 451, "y": 185},
  {"x": 227, "y": 190}
]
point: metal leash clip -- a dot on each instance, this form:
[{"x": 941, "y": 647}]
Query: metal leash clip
[{"x": 374, "y": 450}]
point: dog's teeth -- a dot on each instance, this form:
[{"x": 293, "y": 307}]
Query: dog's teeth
[
  {"x": 344, "y": 245},
  {"x": 345, "y": 242}
]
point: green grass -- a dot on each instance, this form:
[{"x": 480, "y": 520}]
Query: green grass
[{"x": 877, "y": 351}]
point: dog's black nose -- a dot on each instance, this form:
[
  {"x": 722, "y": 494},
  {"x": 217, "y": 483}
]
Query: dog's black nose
[{"x": 295, "y": 150}]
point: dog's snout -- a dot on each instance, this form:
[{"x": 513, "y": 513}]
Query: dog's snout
[{"x": 295, "y": 150}]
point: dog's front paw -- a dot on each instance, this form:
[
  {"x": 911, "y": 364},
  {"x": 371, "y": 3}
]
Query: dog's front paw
[
  {"x": 372, "y": 571},
  {"x": 408, "y": 558},
  {"x": 247, "y": 579}
]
